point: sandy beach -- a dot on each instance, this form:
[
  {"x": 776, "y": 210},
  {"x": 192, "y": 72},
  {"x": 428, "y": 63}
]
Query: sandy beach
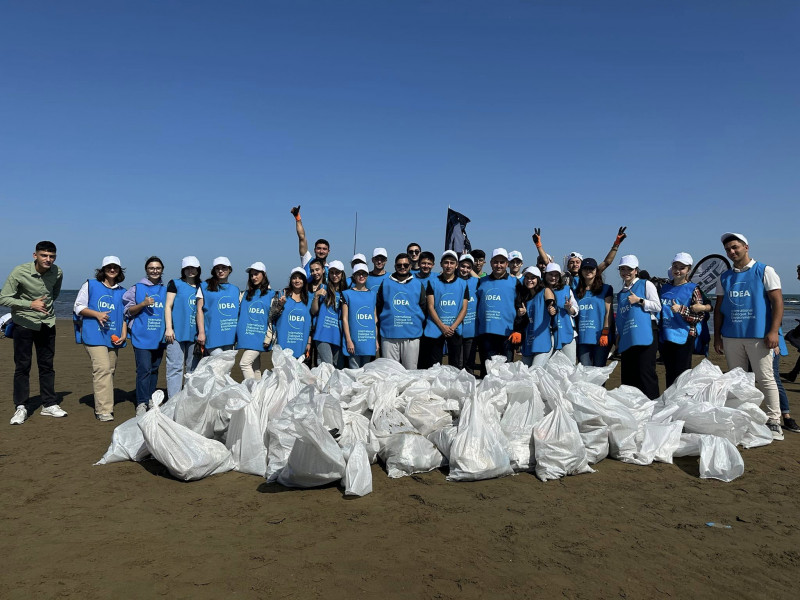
[{"x": 71, "y": 529}]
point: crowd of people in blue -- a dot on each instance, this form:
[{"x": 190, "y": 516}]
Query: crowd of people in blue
[{"x": 412, "y": 315}]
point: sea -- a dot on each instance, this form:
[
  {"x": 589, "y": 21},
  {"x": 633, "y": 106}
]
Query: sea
[{"x": 791, "y": 308}]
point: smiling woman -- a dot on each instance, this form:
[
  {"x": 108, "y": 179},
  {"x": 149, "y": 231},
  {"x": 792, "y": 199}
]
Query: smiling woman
[{"x": 218, "y": 302}]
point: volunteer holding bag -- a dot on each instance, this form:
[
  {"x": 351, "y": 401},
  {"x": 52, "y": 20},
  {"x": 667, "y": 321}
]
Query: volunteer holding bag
[
  {"x": 292, "y": 315},
  {"x": 218, "y": 302},
  {"x": 102, "y": 329},
  {"x": 682, "y": 309},
  {"x": 180, "y": 316},
  {"x": 253, "y": 321},
  {"x": 637, "y": 308},
  {"x": 326, "y": 307},
  {"x": 144, "y": 308}
]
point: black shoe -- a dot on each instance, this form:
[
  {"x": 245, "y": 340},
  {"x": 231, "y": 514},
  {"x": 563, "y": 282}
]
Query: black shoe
[
  {"x": 789, "y": 424},
  {"x": 790, "y": 377}
]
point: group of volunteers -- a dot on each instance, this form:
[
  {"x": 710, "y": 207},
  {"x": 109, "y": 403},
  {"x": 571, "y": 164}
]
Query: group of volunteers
[{"x": 412, "y": 315}]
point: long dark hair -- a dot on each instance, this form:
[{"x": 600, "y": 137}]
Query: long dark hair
[
  {"x": 303, "y": 290},
  {"x": 597, "y": 285},
  {"x": 559, "y": 284},
  {"x": 333, "y": 292},
  {"x": 213, "y": 282},
  {"x": 100, "y": 275},
  {"x": 527, "y": 294},
  {"x": 183, "y": 273},
  {"x": 251, "y": 289}
]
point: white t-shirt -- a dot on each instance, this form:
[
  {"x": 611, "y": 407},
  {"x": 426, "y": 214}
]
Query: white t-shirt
[{"x": 771, "y": 279}]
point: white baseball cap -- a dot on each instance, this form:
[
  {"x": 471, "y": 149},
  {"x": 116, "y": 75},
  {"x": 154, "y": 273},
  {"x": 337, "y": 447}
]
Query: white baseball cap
[
  {"x": 451, "y": 253},
  {"x": 552, "y": 268},
  {"x": 500, "y": 252},
  {"x": 257, "y": 266},
  {"x": 738, "y": 236},
  {"x": 299, "y": 271},
  {"x": 533, "y": 271},
  {"x": 629, "y": 260},
  {"x": 467, "y": 257},
  {"x": 359, "y": 258},
  {"x": 515, "y": 254},
  {"x": 575, "y": 255},
  {"x": 222, "y": 260},
  {"x": 111, "y": 260},
  {"x": 684, "y": 258},
  {"x": 380, "y": 252},
  {"x": 190, "y": 261},
  {"x": 336, "y": 264},
  {"x": 360, "y": 267}
]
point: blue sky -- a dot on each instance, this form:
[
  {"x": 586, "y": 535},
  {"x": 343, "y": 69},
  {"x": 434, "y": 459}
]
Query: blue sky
[{"x": 174, "y": 128}]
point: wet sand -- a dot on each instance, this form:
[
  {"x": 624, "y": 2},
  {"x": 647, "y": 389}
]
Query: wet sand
[{"x": 71, "y": 529}]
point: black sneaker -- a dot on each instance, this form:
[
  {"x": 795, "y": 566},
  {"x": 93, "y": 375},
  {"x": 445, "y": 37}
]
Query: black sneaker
[
  {"x": 790, "y": 377},
  {"x": 789, "y": 424}
]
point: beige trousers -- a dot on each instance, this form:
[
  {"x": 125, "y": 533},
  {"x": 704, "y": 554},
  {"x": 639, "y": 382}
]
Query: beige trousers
[
  {"x": 741, "y": 352},
  {"x": 104, "y": 363},
  {"x": 250, "y": 364}
]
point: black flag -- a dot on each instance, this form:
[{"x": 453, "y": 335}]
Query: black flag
[
  {"x": 455, "y": 237},
  {"x": 707, "y": 271}
]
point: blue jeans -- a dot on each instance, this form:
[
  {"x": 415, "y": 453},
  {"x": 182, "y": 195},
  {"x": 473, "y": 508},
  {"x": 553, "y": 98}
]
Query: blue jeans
[
  {"x": 147, "y": 364},
  {"x": 180, "y": 360},
  {"x": 329, "y": 353},
  {"x": 782, "y": 397},
  {"x": 355, "y": 362},
  {"x": 592, "y": 355}
]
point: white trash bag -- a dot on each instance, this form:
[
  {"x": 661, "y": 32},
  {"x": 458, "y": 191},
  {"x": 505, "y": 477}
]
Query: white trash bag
[
  {"x": 719, "y": 459},
  {"x": 186, "y": 455},
  {"x": 315, "y": 458},
  {"x": 559, "y": 446},
  {"x": 357, "y": 473}
]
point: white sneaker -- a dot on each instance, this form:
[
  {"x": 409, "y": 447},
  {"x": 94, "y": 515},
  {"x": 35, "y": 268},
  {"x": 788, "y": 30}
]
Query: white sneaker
[
  {"x": 53, "y": 411},
  {"x": 141, "y": 409},
  {"x": 19, "y": 416},
  {"x": 105, "y": 417}
]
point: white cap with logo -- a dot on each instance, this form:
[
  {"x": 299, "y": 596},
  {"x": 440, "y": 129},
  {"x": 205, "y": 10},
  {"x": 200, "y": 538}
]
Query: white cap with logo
[
  {"x": 514, "y": 254},
  {"x": 190, "y": 261},
  {"x": 111, "y": 260}
]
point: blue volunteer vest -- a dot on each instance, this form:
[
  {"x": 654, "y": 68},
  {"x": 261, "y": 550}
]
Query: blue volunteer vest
[
  {"x": 537, "y": 334},
  {"x": 745, "y": 305},
  {"x": 220, "y": 314},
  {"x": 468, "y": 325},
  {"x": 564, "y": 332},
  {"x": 361, "y": 321},
  {"x": 673, "y": 327},
  {"x": 147, "y": 328},
  {"x": 592, "y": 315},
  {"x": 448, "y": 298},
  {"x": 375, "y": 281},
  {"x": 253, "y": 320},
  {"x": 294, "y": 326},
  {"x": 402, "y": 316},
  {"x": 108, "y": 300},
  {"x": 574, "y": 280},
  {"x": 328, "y": 326},
  {"x": 496, "y": 309},
  {"x": 633, "y": 323},
  {"x": 184, "y": 312}
]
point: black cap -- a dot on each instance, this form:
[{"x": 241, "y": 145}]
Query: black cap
[{"x": 588, "y": 263}]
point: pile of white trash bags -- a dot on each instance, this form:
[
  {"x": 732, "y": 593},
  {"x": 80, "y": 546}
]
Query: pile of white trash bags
[{"x": 304, "y": 427}]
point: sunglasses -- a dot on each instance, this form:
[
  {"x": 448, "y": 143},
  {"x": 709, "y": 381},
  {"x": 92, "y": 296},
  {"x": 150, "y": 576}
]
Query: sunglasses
[
  {"x": 414, "y": 251},
  {"x": 402, "y": 265}
]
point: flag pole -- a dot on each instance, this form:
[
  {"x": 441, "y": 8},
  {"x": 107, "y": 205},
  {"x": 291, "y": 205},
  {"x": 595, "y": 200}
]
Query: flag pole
[{"x": 355, "y": 235}]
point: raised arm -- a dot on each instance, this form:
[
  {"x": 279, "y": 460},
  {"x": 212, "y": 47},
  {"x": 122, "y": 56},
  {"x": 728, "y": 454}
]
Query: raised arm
[
  {"x": 302, "y": 243},
  {"x": 612, "y": 254},
  {"x": 537, "y": 241}
]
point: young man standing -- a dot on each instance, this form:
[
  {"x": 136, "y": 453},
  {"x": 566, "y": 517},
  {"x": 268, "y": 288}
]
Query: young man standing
[
  {"x": 321, "y": 247},
  {"x": 378, "y": 273},
  {"x": 498, "y": 301},
  {"x": 31, "y": 291},
  {"x": 400, "y": 307},
  {"x": 479, "y": 258},
  {"x": 747, "y": 317},
  {"x": 426, "y": 262},
  {"x": 413, "y": 250}
]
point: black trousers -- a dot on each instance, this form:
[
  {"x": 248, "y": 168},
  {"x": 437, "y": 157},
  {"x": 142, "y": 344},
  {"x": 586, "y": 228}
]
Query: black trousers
[
  {"x": 468, "y": 350},
  {"x": 44, "y": 341},
  {"x": 490, "y": 345},
  {"x": 431, "y": 351},
  {"x": 677, "y": 358},
  {"x": 639, "y": 367}
]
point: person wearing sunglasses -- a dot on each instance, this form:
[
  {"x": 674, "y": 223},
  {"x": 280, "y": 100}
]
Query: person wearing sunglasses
[
  {"x": 414, "y": 250},
  {"x": 218, "y": 302},
  {"x": 144, "y": 308},
  {"x": 401, "y": 304},
  {"x": 378, "y": 273}
]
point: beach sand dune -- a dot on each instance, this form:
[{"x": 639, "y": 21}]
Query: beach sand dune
[{"x": 126, "y": 530}]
